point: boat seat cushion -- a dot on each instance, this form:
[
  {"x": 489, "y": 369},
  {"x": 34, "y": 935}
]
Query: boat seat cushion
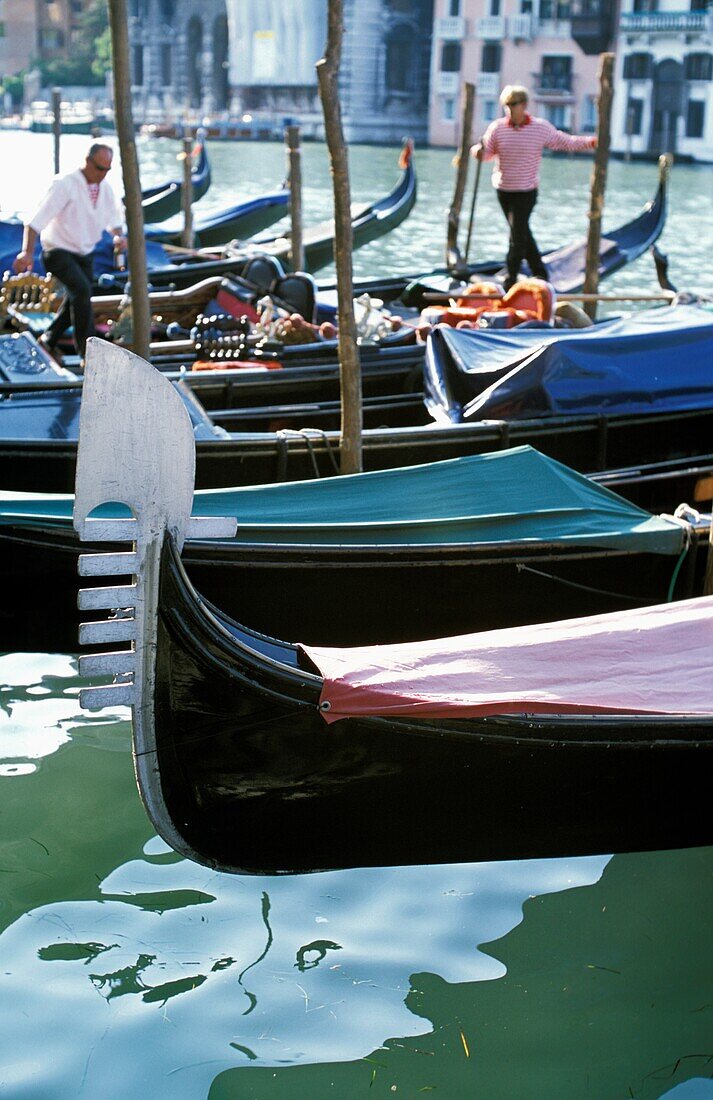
[
  {"x": 297, "y": 291},
  {"x": 261, "y": 272}
]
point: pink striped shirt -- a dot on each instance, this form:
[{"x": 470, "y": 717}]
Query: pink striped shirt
[{"x": 518, "y": 150}]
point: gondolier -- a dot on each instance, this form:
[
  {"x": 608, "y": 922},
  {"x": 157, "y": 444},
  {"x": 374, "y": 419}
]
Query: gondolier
[
  {"x": 69, "y": 222},
  {"x": 516, "y": 143}
]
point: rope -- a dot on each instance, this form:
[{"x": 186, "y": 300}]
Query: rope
[
  {"x": 685, "y": 517},
  {"x": 583, "y": 587},
  {"x": 309, "y": 435}
]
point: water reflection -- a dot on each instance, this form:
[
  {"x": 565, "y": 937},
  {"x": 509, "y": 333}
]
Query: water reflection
[
  {"x": 608, "y": 992},
  {"x": 167, "y": 974}
]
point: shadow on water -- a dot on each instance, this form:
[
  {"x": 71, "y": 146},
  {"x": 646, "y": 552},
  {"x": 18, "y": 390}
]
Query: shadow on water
[{"x": 608, "y": 993}]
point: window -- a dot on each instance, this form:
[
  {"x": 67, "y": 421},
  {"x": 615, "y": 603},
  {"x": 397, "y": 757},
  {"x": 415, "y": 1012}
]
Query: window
[
  {"x": 556, "y": 74},
  {"x": 449, "y": 110},
  {"x": 137, "y": 65},
  {"x": 699, "y": 5},
  {"x": 2, "y": 29},
  {"x": 638, "y": 66},
  {"x": 698, "y": 66},
  {"x": 554, "y": 10},
  {"x": 558, "y": 115},
  {"x": 165, "y": 64},
  {"x": 694, "y": 118},
  {"x": 450, "y": 57},
  {"x": 490, "y": 61},
  {"x": 51, "y": 38},
  {"x": 634, "y": 116},
  {"x": 641, "y": 7},
  {"x": 589, "y": 114},
  {"x": 495, "y": 7},
  {"x": 454, "y": 7},
  {"x": 490, "y": 110}
]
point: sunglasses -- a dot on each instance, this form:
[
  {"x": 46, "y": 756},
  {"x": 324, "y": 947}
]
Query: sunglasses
[
  {"x": 100, "y": 167},
  {"x": 515, "y": 102}
]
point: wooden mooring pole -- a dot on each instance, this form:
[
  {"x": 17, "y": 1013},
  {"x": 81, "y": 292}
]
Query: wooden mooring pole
[
  {"x": 454, "y": 260},
  {"x": 187, "y": 189},
  {"x": 349, "y": 362},
  {"x": 599, "y": 180},
  {"x": 141, "y": 313},
  {"x": 294, "y": 157},
  {"x": 56, "y": 125}
]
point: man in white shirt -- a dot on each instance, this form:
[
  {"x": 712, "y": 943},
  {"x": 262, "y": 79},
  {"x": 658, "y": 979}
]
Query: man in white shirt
[{"x": 70, "y": 221}]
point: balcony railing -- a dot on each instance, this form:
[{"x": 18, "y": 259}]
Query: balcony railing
[
  {"x": 521, "y": 26},
  {"x": 487, "y": 84},
  {"x": 664, "y": 22},
  {"x": 451, "y": 28},
  {"x": 448, "y": 83},
  {"x": 553, "y": 88},
  {"x": 491, "y": 27}
]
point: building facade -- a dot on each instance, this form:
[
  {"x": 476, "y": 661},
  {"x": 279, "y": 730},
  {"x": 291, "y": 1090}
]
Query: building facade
[
  {"x": 550, "y": 46},
  {"x": 32, "y": 30},
  {"x": 664, "y": 80},
  {"x": 257, "y": 57},
  {"x": 179, "y": 57}
]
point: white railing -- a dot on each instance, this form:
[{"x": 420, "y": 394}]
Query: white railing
[
  {"x": 451, "y": 28},
  {"x": 491, "y": 27},
  {"x": 665, "y": 22},
  {"x": 521, "y": 26},
  {"x": 448, "y": 83},
  {"x": 487, "y": 84}
]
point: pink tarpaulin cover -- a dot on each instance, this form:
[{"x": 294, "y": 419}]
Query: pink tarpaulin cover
[{"x": 654, "y": 660}]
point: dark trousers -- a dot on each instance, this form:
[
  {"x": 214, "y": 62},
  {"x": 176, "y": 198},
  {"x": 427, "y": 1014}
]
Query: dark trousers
[
  {"x": 76, "y": 273},
  {"x": 517, "y": 207}
]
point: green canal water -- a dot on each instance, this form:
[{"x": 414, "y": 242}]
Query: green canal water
[{"x": 126, "y": 970}]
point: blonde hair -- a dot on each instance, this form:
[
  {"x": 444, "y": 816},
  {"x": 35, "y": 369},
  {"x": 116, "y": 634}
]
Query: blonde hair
[{"x": 513, "y": 92}]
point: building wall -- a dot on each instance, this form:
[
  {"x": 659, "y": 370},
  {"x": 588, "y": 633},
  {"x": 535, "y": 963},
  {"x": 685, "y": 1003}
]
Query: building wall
[
  {"x": 57, "y": 22},
  {"x": 514, "y": 46},
  {"x": 18, "y": 41},
  {"x": 36, "y": 29},
  {"x": 270, "y": 48},
  {"x": 664, "y": 88}
]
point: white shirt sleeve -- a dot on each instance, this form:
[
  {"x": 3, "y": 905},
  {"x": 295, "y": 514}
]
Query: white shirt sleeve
[{"x": 52, "y": 204}]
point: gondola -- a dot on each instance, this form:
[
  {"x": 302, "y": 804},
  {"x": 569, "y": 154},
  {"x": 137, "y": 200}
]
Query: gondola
[
  {"x": 238, "y": 222},
  {"x": 257, "y": 755},
  {"x": 622, "y": 365},
  {"x": 165, "y": 200},
  {"x": 566, "y": 265},
  {"x": 524, "y": 537},
  {"x": 669, "y": 422}
]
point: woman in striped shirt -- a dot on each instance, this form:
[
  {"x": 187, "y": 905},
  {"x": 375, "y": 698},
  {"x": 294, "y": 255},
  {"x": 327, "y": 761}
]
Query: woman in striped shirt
[{"x": 516, "y": 143}]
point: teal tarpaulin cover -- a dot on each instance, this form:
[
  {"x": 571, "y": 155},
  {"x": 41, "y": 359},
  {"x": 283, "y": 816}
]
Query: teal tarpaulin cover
[{"x": 510, "y": 496}]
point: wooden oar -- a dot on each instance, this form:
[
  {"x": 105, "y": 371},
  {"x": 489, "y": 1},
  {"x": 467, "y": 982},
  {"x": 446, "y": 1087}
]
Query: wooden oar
[{"x": 478, "y": 166}]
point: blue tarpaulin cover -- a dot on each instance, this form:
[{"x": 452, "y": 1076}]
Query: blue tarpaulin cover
[
  {"x": 11, "y": 231},
  {"x": 653, "y": 361},
  {"x": 510, "y": 496}
]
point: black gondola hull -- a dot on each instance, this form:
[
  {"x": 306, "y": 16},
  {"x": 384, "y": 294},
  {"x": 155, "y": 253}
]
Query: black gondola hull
[{"x": 255, "y": 781}]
